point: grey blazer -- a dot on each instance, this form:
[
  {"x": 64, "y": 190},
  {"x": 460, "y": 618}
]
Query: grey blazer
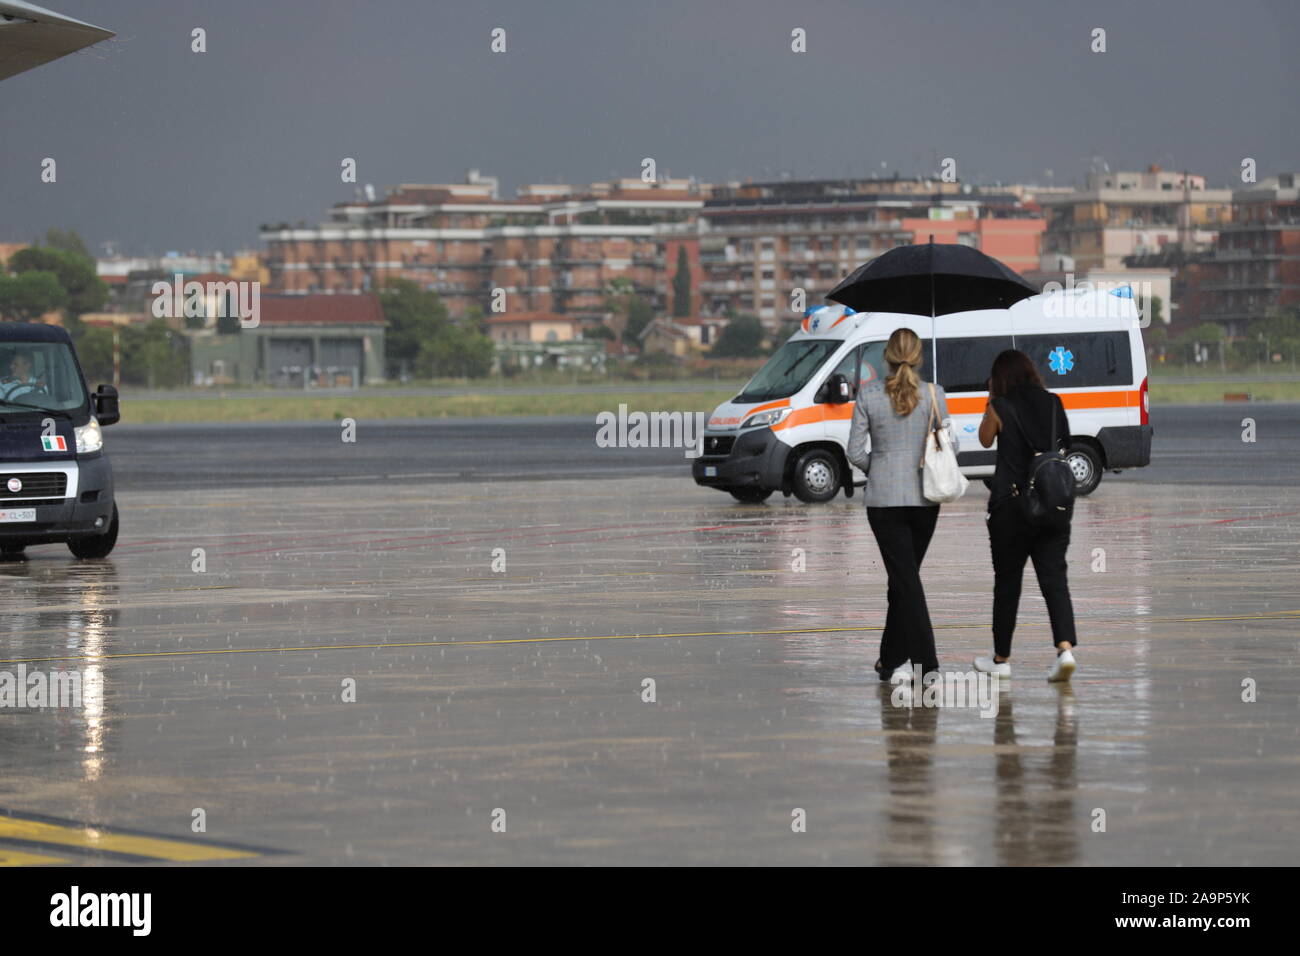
[{"x": 897, "y": 443}]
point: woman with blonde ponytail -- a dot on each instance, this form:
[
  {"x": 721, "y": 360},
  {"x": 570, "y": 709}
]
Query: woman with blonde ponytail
[{"x": 895, "y": 416}]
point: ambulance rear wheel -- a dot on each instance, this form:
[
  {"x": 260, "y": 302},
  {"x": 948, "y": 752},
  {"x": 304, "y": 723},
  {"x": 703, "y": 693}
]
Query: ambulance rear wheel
[
  {"x": 816, "y": 476},
  {"x": 750, "y": 496},
  {"x": 1085, "y": 462},
  {"x": 98, "y": 546}
]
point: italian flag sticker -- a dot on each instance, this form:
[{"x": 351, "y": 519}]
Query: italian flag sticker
[{"x": 54, "y": 443}]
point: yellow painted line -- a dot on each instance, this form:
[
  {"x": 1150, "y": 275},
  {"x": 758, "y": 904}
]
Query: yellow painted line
[
  {"x": 778, "y": 632},
  {"x": 88, "y": 838},
  {"x": 18, "y": 858}
]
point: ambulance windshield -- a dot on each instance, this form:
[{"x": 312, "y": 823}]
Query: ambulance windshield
[{"x": 788, "y": 370}]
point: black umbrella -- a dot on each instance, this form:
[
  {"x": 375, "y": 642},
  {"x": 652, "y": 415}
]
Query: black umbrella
[{"x": 931, "y": 279}]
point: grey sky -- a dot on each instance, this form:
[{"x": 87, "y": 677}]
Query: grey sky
[{"x": 160, "y": 148}]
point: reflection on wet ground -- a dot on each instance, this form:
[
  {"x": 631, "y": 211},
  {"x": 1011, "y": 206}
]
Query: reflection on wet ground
[{"x": 500, "y": 639}]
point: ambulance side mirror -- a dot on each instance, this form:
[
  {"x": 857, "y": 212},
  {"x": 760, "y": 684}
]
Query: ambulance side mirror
[
  {"x": 837, "y": 390},
  {"x": 107, "y": 410}
]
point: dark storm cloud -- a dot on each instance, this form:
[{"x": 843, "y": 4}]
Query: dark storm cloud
[{"x": 160, "y": 148}]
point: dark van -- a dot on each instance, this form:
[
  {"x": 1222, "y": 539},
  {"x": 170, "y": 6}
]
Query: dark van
[{"x": 56, "y": 484}]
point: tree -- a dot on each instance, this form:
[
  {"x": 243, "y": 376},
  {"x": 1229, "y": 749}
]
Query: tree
[
  {"x": 1275, "y": 327},
  {"x": 742, "y": 337},
  {"x": 1279, "y": 331},
  {"x": 95, "y": 352},
  {"x": 682, "y": 285},
  {"x": 474, "y": 318},
  {"x": 420, "y": 335},
  {"x": 1156, "y": 315},
  {"x": 1204, "y": 333},
  {"x": 456, "y": 352},
  {"x": 1199, "y": 338},
  {"x": 621, "y": 298},
  {"x": 154, "y": 356},
  {"x": 29, "y": 295},
  {"x": 86, "y": 292},
  {"x": 67, "y": 241},
  {"x": 413, "y": 318},
  {"x": 639, "y": 315}
]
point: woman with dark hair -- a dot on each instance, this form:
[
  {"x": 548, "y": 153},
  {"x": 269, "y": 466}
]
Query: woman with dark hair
[
  {"x": 896, "y": 416},
  {"x": 1025, "y": 418}
]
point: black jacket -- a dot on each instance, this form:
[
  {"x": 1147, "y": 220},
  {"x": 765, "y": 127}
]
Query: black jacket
[{"x": 1026, "y": 413}]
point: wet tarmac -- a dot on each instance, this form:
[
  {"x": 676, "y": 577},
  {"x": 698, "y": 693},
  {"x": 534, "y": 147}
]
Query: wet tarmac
[
  {"x": 1195, "y": 444},
  {"x": 500, "y": 636}
]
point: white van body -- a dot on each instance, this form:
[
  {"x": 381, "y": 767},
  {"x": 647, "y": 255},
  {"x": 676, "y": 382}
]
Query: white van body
[{"x": 786, "y": 432}]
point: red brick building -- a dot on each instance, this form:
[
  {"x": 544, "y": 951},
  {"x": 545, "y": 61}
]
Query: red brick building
[
  {"x": 551, "y": 249},
  {"x": 759, "y": 242},
  {"x": 1255, "y": 265}
]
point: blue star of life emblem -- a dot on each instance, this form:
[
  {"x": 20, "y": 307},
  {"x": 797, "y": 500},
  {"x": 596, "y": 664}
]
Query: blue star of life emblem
[{"x": 1061, "y": 360}]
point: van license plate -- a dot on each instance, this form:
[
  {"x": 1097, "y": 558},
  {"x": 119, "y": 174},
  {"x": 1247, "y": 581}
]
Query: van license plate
[
  {"x": 18, "y": 515},
  {"x": 710, "y": 471}
]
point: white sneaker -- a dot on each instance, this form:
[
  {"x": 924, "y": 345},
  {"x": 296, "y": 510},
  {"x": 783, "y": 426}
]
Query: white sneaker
[
  {"x": 1064, "y": 667},
  {"x": 989, "y": 666}
]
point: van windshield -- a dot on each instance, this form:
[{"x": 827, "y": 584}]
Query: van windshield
[
  {"x": 788, "y": 370},
  {"x": 39, "y": 374}
]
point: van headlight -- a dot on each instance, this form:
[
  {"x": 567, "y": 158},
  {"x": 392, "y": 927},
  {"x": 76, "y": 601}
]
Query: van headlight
[
  {"x": 769, "y": 417},
  {"x": 89, "y": 437}
]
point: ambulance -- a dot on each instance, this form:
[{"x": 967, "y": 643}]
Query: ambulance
[
  {"x": 56, "y": 483},
  {"x": 788, "y": 428}
]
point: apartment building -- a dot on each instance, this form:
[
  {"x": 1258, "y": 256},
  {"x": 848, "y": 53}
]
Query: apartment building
[
  {"x": 1124, "y": 214},
  {"x": 1254, "y": 268},
  {"x": 552, "y": 248},
  {"x": 761, "y": 241}
]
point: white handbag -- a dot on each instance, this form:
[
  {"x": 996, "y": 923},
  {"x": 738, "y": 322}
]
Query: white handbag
[{"x": 941, "y": 478}]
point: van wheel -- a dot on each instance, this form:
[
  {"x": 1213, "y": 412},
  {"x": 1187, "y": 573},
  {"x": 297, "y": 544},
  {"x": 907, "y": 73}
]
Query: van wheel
[
  {"x": 1085, "y": 462},
  {"x": 98, "y": 546},
  {"x": 816, "y": 476},
  {"x": 750, "y": 496}
]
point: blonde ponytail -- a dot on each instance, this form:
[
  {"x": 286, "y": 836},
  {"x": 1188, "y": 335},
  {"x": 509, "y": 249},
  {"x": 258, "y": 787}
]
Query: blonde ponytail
[{"x": 903, "y": 386}]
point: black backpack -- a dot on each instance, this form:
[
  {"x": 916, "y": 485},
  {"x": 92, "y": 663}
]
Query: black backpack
[{"x": 1049, "y": 496}]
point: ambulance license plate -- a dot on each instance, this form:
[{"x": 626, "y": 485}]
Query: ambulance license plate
[{"x": 17, "y": 515}]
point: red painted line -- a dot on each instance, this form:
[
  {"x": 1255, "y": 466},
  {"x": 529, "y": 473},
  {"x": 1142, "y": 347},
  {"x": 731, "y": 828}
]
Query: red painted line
[{"x": 1202, "y": 524}]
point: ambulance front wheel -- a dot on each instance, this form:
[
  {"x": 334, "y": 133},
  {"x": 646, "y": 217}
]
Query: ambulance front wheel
[
  {"x": 750, "y": 496},
  {"x": 99, "y": 545},
  {"x": 1085, "y": 462},
  {"x": 816, "y": 477}
]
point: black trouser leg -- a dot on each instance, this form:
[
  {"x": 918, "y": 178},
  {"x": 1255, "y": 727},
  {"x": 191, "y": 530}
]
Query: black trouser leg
[
  {"x": 1009, "y": 539},
  {"x": 893, "y": 649},
  {"x": 903, "y": 535},
  {"x": 1048, "y": 553}
]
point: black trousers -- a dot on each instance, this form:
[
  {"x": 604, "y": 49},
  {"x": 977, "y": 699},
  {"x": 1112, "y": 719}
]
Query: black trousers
[
  {"x": 1013, "y": 541},
  {"x": 903, "y": 535}
]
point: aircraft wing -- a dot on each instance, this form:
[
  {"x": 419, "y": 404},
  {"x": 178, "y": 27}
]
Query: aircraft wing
[{"x": 31, "y": 36}]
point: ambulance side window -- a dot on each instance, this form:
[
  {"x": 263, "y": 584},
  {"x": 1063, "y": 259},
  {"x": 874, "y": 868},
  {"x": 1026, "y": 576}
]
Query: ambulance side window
[
  {"x": 1080, "y": 359},
  {"x": 848, "y": 367},
  {"x": 964, "y": 364},
  {"x": 873, "y": 368}
]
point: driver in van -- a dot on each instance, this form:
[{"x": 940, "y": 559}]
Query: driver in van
[{"x": 22, "y": 378}]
